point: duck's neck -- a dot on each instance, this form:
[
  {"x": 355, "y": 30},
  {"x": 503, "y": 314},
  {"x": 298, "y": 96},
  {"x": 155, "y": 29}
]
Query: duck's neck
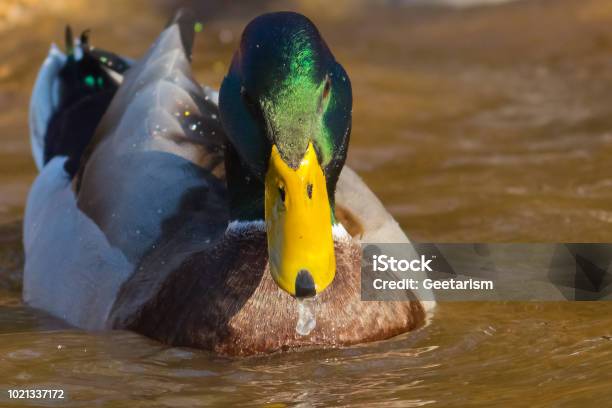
[{"x": 245, "y": 190}]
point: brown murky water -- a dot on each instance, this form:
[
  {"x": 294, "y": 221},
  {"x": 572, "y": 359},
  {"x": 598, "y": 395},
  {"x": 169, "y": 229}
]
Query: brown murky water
[{"x": 479, "y": 125}]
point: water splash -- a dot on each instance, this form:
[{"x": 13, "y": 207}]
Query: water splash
[{"x": 306, "y": 320}]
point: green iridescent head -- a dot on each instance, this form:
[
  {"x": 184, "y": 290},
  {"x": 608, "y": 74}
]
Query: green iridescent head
[
  {"x": 286, "y": 107},
  {"x": 285, "y": 88}
]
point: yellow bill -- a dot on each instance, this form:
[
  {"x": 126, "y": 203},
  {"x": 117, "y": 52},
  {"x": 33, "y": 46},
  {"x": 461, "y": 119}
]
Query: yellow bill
[{"x": 298, "y": 224}]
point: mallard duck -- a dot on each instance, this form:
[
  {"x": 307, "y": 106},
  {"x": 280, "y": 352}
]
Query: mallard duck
[{"x": 198, "y": 218}]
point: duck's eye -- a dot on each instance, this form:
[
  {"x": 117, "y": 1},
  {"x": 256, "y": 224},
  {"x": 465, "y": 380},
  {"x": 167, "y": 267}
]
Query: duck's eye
[
  {"x": 309, "y": 190},
  {"x": 327, "y": 88},
  {"x": 247, "y": 99},
  {"x": 325, "y": 94},
  {"x": 281, "y": 193}
]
